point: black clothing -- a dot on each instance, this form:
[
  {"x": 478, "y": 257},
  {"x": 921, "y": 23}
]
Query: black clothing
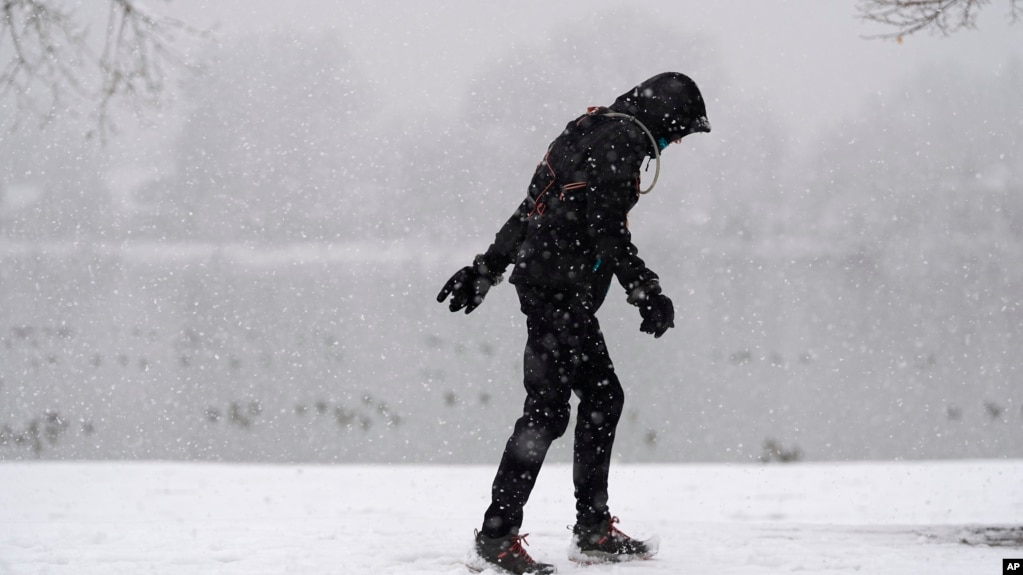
[
  {"x": 468, "y": 286},
  {"x": 669, "y": 105},
  {"x": 566, "y": 240},
  {"x": 658, "y": 314},
  {"x": 571, "y": 231},
  {"x": 565, "y": 353}
]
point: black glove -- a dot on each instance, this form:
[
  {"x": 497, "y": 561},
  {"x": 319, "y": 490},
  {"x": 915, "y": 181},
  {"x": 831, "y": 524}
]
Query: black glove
[
  {"x": 658, "y": 314},
  {"x": 468, "y": 286}
]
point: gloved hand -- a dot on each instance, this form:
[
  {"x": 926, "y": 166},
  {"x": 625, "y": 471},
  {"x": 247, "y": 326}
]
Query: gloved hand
[
  {"x": 658, "y": 314},
  {"x": 468, "y": 286}
]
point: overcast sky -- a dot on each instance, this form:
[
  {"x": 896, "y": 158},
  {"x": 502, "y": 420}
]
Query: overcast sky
[{"x": 809, "y": 59}]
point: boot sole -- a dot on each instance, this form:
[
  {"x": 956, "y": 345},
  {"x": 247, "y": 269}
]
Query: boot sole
[
  {"x": 475, "y": 563},
  {"x": 577, "y": 555}
]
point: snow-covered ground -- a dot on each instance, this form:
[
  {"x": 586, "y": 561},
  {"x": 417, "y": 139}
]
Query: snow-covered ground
[{"x": 86, "y": 518}]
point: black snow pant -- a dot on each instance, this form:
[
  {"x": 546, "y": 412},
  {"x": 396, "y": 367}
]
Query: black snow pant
[{"x": 565, "y": 353}]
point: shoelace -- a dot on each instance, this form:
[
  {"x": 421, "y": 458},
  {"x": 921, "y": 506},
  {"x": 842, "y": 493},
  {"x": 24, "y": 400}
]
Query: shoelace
[
  {"x": 517, "y": 548},
  {"x": 613, "y": 531}
]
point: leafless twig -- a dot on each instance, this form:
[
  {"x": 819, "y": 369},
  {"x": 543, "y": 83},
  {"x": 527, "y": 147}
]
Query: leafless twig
[
  {"x": 53, "y": 62},
  {"x": 39, "y": 35},
  {"x": 911, "y": 16}
]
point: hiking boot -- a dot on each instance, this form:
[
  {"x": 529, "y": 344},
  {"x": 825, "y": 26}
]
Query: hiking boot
[
  {"x": 509, "y": 553},
  {"x": 604, "y": 543}
]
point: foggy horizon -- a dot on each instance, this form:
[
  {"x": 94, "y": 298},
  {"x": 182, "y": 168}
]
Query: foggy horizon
[{"x": 248, "y": 272}]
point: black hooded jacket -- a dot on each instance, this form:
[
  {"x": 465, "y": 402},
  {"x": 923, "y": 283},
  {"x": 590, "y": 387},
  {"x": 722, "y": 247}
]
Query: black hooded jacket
[{"x": 571, "y": 234}]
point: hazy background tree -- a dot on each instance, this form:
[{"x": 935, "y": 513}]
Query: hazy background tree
[
  {"x": 51, "y": 182},
  {"x": 273, "y": 141},
  {"x": 844, "y": 275}
]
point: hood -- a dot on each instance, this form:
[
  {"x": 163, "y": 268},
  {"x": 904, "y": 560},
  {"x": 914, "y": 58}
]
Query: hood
[{"x": 669, "y": 105}]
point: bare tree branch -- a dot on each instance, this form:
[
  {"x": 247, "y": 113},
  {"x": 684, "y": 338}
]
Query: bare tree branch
[
  {"x": 912, "y": 16},
  {"x": 53, "y": 68},
  {"x": 38, "y": 34}
]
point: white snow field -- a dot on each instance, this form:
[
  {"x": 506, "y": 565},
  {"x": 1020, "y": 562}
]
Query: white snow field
[{"x": 93, "y": 518}]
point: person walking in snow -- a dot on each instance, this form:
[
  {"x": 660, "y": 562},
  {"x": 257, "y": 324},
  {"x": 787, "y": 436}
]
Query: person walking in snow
[{"x": 566, "y": 241}]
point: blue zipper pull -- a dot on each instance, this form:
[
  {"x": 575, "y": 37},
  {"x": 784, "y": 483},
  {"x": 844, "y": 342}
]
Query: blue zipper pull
[{"x": 597, "y": 265}]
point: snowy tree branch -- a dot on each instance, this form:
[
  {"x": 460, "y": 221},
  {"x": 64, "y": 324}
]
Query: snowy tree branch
[
  {"x": 912, "y": 16},
  {"x": 54, "y": 67}
]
